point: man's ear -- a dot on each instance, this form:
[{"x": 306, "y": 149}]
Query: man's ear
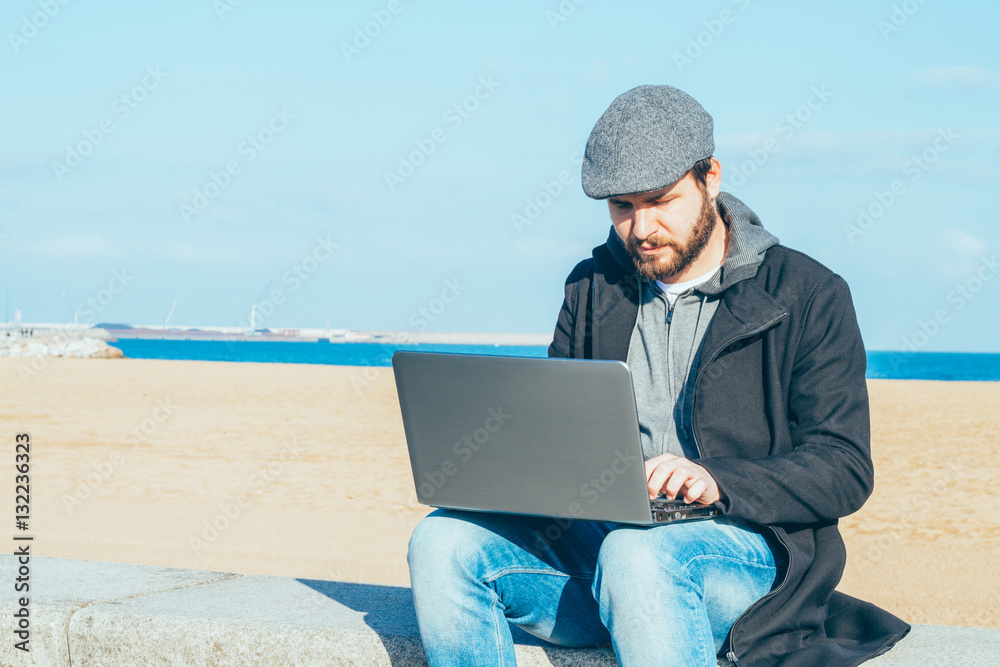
[{"x": 713, "y": 179}]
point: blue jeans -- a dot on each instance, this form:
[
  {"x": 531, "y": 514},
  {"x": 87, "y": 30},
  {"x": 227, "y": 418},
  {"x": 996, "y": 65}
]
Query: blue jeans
[{"x": 660, "y": 595}]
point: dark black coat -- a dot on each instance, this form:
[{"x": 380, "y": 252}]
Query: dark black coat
[{"x": 780, "y": 417}]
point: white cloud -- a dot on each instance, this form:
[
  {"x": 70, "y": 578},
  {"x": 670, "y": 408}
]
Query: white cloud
[
  {"x": 854, "y": 154},
  {"x": 225, "y": 214},
  {"x": 822, "y": 140},
  {"x": 189, "y": 253},
  {"x": 554, "y": 250},
  {"x": 93, "y": 246},
  {"x": 959, "y": 254},
  {"x": 328, "y": 189},
  {"x": 68, "y": 246},
  {"x": 963, "y": 243},
  {"x": 961, "y": 75},
  {"x": 349, "y": 199}
]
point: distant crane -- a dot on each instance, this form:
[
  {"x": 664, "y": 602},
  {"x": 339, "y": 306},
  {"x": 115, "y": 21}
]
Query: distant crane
[{"x": 169, "y": 314}]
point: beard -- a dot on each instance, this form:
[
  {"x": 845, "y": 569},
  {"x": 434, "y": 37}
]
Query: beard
[{"x": 666, "y": 264}]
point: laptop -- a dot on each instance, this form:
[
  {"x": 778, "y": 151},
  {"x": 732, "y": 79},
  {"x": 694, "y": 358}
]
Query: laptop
[{"x": 549, "y": 437}]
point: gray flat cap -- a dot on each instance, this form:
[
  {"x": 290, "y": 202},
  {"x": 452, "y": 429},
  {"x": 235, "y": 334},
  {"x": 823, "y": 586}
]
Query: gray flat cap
[{"x": 648, "y": 138}]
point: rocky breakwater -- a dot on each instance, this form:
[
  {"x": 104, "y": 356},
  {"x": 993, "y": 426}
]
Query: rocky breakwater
[{"x": 80, "y": 344}]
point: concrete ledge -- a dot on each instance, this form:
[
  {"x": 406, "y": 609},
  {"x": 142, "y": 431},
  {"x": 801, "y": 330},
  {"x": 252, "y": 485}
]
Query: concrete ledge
[
  {"x": 113, "y": 614},
  {"x": 943, "y": 645},
  {"x": 59, "y": 588}
]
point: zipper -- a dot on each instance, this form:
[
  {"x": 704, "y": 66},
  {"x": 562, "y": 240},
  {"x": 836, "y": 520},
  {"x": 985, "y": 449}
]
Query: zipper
[
  {"x": 730, "y": 640},
  {"x": 670, "y": 313},
  {"x": 670, "y": 367},
  {"x": 702, "y": 367}
]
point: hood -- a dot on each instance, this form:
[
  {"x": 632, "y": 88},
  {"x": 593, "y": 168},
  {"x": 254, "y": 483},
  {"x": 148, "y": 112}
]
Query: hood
[{"x": 748, "y": 241}]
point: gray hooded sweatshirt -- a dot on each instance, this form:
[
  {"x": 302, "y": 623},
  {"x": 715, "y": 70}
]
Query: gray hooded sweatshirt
[{"x": 663, "y": 350}]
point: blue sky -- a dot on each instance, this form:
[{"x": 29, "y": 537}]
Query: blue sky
[{"x": 230, "y": 153}]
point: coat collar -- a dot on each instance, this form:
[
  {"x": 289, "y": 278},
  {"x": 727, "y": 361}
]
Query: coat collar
[
  {"x": 744, "y": 307},
  {"x": 747, "y": 243}
]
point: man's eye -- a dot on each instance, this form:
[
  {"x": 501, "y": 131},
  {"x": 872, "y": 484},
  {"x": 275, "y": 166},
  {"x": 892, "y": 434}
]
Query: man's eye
[{"x": 621, "y": 204}]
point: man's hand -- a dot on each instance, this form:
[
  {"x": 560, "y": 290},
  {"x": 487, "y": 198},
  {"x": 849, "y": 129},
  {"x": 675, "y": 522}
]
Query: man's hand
[{"x": 671, "y": 475}]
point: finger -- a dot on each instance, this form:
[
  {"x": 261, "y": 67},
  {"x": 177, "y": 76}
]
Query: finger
[
  {"x": 664, "y": 472},
  {"x": 653, "y": 486},
  {"x": 660, "y": 475},
  {"x": 651, "y": 464},
  {"x": 695, "y": 490},
  {"x": 678, "y": 479}
]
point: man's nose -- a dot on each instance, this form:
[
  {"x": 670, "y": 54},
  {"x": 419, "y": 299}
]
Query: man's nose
[{"x": 643, "y": 222}]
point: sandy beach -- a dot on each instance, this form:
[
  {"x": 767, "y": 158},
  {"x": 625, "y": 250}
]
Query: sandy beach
[{"x": 301, "y": 470}]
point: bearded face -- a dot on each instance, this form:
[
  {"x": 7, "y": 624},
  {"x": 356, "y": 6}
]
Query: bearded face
[{"x": 674, "y": 254}]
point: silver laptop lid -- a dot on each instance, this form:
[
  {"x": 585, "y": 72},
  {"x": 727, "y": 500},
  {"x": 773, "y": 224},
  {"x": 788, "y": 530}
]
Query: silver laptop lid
[{"x": 542, "y": 436}]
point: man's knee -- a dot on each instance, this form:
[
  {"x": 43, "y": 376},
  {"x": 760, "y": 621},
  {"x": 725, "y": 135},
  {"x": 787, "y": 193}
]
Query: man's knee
[
  {"x": 625, "y": 550},
  {"x": 628, "y": 563},
  {"x": 662, "y": 557},
  {"x": 641, "y": 551},
  {"x": 441, "y": 537}
]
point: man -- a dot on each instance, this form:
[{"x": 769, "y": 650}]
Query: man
[{"x": 748, "y": 368}]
